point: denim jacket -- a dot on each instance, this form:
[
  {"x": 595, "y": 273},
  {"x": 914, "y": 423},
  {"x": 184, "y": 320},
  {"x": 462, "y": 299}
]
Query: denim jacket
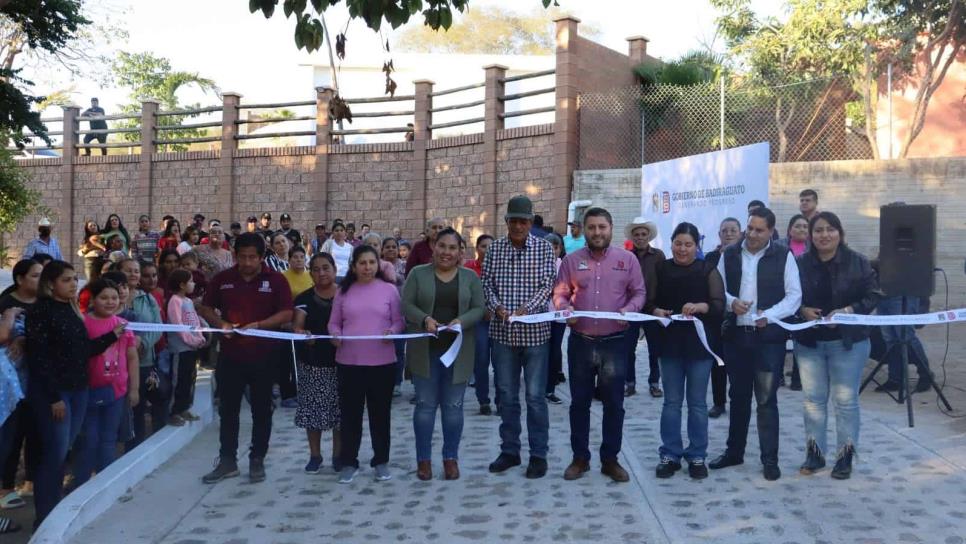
[{"x": 145, "y": 310}]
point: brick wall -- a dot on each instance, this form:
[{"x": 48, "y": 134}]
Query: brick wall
[
  {"x": 854, "y": 190},
  {"x": 47, "y": 180},
  {"x": 524, "y": 167}
]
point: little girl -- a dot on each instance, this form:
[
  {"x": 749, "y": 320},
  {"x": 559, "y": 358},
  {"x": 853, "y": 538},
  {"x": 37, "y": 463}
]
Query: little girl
[
  {"x": 183, "y": 346},
  {"x": 111, "y": 375}
]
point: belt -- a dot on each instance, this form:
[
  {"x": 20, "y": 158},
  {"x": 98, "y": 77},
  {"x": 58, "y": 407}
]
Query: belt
[
  {"x": 748, "y": 329},
  {"x": 590, "y": 338}
]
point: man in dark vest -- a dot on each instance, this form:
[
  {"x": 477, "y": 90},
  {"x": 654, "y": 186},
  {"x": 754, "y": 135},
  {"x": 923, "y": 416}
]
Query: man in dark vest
[{"x": 761, "y": 282}]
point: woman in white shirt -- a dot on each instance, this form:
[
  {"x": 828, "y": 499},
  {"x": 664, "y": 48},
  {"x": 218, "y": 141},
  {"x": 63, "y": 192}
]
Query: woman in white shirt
[{"x": 340, "y": 249}]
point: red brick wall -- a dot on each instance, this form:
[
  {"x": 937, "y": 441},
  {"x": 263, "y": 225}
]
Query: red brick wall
[{"x": 524, "y": 166}]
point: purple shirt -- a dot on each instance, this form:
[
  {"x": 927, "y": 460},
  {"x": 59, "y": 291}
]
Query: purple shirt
[
  {"x": 610, "y": 282},
  {"x": 366, "y": 309}
]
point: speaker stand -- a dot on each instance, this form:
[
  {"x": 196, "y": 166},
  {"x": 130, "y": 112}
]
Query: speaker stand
[{"x": 905, "y": 392}]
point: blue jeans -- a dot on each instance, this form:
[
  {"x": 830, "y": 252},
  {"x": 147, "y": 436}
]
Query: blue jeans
[
  {"x": 892, "y": 335},
  {"x": 481, "y": 364},
  {"x": 438, "y": 391},
  {"x": 753, "y": 367},
  {"x": 831, "y": 370},
  {"x": 400, "y": 346},
  {"x": 508, "y": 362},
  {"x": 98, "y": 447},
  {"x": 56, "y": 438},
  {"x": 603, "y": 358},
  {"x": 692, "y": 376}
]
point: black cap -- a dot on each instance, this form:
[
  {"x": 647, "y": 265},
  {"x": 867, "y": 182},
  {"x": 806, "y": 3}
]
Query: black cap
[
  {"x": 266, "y": 215},
  {"x": 284, "y": 217},
  {"x": 252, "y": 219},
  {"x": 320, "y": 226},
  {"x": 199, "y": 217},
  {"x": 235, "y": 225}
]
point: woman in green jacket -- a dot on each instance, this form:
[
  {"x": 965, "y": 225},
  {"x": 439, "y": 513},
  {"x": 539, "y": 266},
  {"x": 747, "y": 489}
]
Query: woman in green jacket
[{"x": 437, "y": 294}]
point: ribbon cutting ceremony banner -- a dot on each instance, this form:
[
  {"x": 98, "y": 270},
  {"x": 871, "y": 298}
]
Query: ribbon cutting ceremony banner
[{"x": 703, "y": 189}]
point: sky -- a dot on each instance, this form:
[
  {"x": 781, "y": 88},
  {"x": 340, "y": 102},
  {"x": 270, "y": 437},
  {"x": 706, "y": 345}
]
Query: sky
[{"x": 246, "y": 53}]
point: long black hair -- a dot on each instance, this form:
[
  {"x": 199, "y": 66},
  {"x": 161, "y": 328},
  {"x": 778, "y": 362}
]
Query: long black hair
[
  {"x": 120, "y": 227},
  {"x": 350, "y": 276},
  {"x": 833, "y": 221},
  {"x": 21, "y": 269}
]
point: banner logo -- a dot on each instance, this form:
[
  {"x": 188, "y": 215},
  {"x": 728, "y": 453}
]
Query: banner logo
[{"x": 666, "y": 198}]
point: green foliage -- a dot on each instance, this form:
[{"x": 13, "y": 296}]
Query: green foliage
[
  {"x": 693, "y": 68},
  {"x": 17, "y": 199},
  {"x": 309, "y": 27},
  {"x": 16, "y": 110},
  {"x": 150, "y": 76},
  {"x": 48, "y": 24}
]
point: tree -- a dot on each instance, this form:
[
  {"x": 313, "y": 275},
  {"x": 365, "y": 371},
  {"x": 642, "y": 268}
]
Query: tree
[
  {"x": 150, "y": 76},
  {"x": 488, "y": 30},
  {"x": 17, "y": 199},
  {"x": 309, "y": 29},
  {"x": 43, "y": 25}
]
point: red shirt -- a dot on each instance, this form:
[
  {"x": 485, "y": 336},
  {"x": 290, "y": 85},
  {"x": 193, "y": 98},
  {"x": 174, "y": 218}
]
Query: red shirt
[
  {"x": 475, "y": 266},
  {"x": 422, "y": 253},
  {"x": 245, "y": 302}
]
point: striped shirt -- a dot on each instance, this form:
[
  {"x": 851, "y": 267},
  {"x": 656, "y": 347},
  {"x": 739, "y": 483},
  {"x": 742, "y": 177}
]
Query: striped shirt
[{"x": 515, "y": 277}]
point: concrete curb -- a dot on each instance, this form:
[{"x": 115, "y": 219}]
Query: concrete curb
[{"x": 95, "y": 497}]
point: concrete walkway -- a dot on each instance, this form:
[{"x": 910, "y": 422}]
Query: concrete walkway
[{"x": 909, "y": 486}]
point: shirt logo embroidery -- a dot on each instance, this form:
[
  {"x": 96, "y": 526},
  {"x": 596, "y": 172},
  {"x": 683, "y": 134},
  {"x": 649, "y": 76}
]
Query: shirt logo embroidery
[
  {"x": 265, "y": 288},
  {"x": 582, "y": 265},
  {"x": 227, "y": 286}
]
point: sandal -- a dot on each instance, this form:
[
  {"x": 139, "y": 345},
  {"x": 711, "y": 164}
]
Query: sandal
[
  {"x": 12, "y": 501},
  {"x": 656, "y": 391},
  {"x": 188, "y": 416},
  {"x": 7, "y": 525}
]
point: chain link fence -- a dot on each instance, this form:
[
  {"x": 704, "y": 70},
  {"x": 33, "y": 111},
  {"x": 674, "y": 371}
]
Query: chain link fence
[{"x": 628, "y": 127}]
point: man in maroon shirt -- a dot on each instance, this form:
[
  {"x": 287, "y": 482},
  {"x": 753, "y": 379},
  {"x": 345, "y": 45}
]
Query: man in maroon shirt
[
  {"x": 598, "y": 278},
  {"x": 422, "y": 252},
  {"x": 248, "y": 295}
]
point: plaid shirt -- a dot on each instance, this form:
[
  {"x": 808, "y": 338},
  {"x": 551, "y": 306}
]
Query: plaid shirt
[{"x": 519, "y": 277}]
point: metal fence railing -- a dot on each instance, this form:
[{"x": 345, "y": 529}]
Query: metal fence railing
[{"x": 631, "y": 126}]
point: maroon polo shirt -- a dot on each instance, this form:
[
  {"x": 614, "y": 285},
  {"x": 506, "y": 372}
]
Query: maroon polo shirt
[
  {"x": 245, "y": 302},
  {"x": 422, "y": 253}
]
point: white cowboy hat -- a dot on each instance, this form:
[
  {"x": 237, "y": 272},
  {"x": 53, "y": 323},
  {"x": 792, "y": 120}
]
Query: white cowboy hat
[
  {"x": 641, "y": 222},
  {"x": 44, "y": 222}
]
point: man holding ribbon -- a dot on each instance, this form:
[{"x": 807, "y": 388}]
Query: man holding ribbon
[
  {"x": 598, "y": 278},
  {"x": 518, "y": 275},
  {"x": 248, "y": 295},
  {"x": 761, "y": 283}
]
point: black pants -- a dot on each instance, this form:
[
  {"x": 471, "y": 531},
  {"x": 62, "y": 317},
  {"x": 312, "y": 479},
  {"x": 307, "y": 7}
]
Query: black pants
[
  {"x": 101, "y": 138},
  {"x": 26, "y": 429},
  {"x": 719, "y": 383},
  {"x": 555, "y": 366},
  {"x": 754, "y": 368},
  {"x": 233, "y": 376},
  {"x": 158, "y": 411},
  {"x": 651, "y": 335},
  {"x": 285, "y": 368},
  {"x": 362, "y": 387},
  {"x": 185, "y": 364}
]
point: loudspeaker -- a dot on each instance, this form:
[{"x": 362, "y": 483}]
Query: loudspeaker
[{"x": 907, "y": 249}]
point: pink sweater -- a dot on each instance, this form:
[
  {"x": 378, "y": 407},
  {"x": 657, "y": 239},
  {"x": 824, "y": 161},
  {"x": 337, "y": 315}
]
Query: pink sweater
[
  {"x": 181, "y": 311},
  {"x": 368, "y": 309},
  {"x": 110, "y": 367}
]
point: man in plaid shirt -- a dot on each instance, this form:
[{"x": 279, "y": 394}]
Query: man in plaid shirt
[{"x": 518, "y": 275}]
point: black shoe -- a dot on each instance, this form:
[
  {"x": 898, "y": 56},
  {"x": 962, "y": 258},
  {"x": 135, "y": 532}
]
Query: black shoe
[
  {"x": 537, "y": 468},
  {"x": 725, "y": 460},
  {"x": 256, "y": 470},
  {"x": 561, "y": 378},
  {"x": 485, "y": 409},
  {"x": 771, "y": 472},
  {"x": 667, "y": 467},
  {"x": 924, "y": 384},
  {"x": 630, "y": 390},
  {"x": 226, "y": 469},
  {"x": 795, "y": 386},
  {"x": 843, "y": 466},
  {"x": 814, "y": 460},
  {"x": 716, "y": 411},
  {"x": 697, "y": 469},
  {"x": 504, "y": 461},
  {"x": 887, "y": 386},
  {"x": 781, "y": 382},
  {"x": 553, "y": 399}
]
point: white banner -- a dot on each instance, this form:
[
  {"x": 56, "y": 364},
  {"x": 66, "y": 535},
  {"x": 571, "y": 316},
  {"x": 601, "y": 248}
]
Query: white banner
[
  {"x": 934, "y": 318},
  {"x": 703, "y": 189}
]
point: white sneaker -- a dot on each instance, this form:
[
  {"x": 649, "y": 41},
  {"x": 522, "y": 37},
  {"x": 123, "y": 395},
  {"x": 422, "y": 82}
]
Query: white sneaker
[
  {"x": 347, "y": 474},
  {"x": 382, "y": 473}
]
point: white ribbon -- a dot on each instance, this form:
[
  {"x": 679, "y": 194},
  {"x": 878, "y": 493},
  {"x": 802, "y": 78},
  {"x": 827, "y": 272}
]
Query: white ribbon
[
  {"x": 447, "y": 358},
  {"x": 617, "y": 316},
  {"x": 934, "y": 318}
]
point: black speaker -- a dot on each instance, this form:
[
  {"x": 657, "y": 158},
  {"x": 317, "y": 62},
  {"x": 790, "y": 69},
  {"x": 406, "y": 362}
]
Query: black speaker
[{"x": 907, "y": 249}]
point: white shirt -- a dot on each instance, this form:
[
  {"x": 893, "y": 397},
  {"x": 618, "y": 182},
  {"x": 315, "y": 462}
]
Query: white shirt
[
  {"x": 341, "y": 254},
  {"x": 748, "y": 290}
]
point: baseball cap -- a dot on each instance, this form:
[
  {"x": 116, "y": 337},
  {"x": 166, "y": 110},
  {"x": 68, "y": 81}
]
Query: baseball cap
[
  {"x": 252, "y": 219},
  {"x": 266, "y": 215},
  {"x": 235, "y": 225},
  {"x": 284, "y": 217},
  {"x": 199, "y": 217}
]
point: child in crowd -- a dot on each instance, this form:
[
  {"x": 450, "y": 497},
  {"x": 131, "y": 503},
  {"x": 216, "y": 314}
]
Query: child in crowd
[
  {"x": 190, "y": 262},
  {"x": 318, "y": 396},
  {"x": 111, "y": 375},
  {"x": 183, "y": 346}
]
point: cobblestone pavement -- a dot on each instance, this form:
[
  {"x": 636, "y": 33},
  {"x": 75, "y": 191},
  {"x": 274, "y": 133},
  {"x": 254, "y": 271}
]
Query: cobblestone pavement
[{"x": 909, "y": 486}]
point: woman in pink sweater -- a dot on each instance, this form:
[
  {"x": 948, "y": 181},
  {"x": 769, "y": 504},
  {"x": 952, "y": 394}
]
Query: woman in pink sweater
[{"x": 366, "y": 305}]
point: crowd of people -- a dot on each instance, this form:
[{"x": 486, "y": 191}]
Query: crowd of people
[{"x": 75, "y": 383}]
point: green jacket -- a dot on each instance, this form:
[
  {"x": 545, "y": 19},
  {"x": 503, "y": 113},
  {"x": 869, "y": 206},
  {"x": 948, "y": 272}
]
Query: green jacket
[
  {"x": 418, "y": 298},
  {"x": 146, "y": 310}
]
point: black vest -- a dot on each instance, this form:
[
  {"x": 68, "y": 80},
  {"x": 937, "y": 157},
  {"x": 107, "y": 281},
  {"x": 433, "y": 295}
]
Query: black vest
[{"x": 771, "y": 285}]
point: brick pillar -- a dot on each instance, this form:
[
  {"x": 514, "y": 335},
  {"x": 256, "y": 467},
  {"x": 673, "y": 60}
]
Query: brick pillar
[
  {"x": 225, "y": 193},
  {"x": 637, "y": 49},
  {"x": 422, "y": 134},
  {"x": 323, "y": 139},
  {"x": 66, "y": 206},
  {"x": 492, "y": 122},
  {"x": 565, "y": 127},
  {"x": 142, "y": 190}
]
